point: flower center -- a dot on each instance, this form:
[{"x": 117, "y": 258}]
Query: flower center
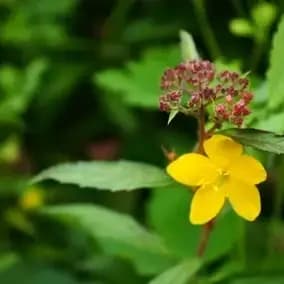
[{"x": 223, "y": 176}]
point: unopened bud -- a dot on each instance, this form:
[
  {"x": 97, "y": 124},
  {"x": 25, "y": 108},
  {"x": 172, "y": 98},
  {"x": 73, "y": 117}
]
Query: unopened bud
[
  {"x": 174, "y": 96},
  {"x": 247, "y": 97},
  {"x": 221, "y": 112},
  {"x": 229, "y": 99},
  {"x": 243, "y": 82},
  {"x": 164, "y": 106},
  {"x": 237, "y": 121}
]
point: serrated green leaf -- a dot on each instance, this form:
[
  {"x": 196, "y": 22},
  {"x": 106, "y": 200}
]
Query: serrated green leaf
[
  {"x": 187, "y": 45},
  {"x": 105, "y": 175},
  {"x": 168, "y": 214},
  {"x": 275, "y": 77},
  {"x": 259, "y": 139},
  {"x": 138, "y": 83},
  {"x": 172, "y": 115},
  {"x": 179, "y": 274},
  {"x": 118, "y": 234}
]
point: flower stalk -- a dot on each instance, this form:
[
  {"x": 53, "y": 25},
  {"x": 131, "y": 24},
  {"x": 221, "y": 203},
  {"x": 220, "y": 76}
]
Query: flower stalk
[
  {"x": 204, "y": 237},
  {"x": 201, "y": 131},
  {"x": 208, "y": 227}
]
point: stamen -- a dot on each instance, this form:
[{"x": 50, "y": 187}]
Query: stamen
[{"x": 223, "y": 175}]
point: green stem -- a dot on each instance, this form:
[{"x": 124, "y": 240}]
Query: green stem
[
  {"x": 201, "y": 131},
  {"x": 257, "y": 53},
  {"x": 204, "y": 238},
  {"x": 206, "y": 30},
  {"x": 208, "y": 227}
]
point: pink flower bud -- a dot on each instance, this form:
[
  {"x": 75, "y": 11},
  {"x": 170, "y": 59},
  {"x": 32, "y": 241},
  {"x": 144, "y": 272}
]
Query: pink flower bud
[
  {"x": 195, "y": 80},
  {"x": 174, "y": 96},
  {"x": 245, "y": 111},
  {"x": 220, "y": 108},
  {"x": 240, "y": 108},
  {"x": 208, "y": 93},
  {"x": 169, "y": 79},
  {"x": 194, "y": 100},
  {"x": 229, "y": 99},
  {"x": 234, "y": 76},
  {"x": 221, "y": 112},
  {"x": 243, "y": 82},
  {"x": 247, "y": 96},
  {"x": 232, "y": 91},
  {"x": 164, "y": 106},
  {"x": 237, "y": 120}
]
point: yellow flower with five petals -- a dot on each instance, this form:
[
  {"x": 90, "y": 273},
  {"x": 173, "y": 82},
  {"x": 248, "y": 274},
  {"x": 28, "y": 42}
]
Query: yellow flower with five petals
[{"x": 225, "y": 173}]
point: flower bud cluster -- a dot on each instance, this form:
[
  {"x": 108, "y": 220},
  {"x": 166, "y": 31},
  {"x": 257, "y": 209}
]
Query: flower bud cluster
[
  {"x": 194, "y": 85},
  {"x": 235, "y": 98},
  {"x": 190, "y": 79}
]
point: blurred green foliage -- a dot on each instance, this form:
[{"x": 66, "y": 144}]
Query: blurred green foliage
[{"x": 79, "y": 80}]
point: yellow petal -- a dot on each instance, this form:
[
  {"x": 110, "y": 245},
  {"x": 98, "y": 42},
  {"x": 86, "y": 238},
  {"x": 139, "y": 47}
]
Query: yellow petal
[
  {"x": 222, "y": 150},
  {"x": 206, "y": 204},
  {"x": 248, "y": 170},
  {"x": 192, "y": 170},
  {"x": 244, "y": 198}
]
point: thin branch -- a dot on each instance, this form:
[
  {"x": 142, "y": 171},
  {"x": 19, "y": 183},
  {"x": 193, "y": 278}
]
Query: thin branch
[
  {"x": 201, "y": 131},
  {"x": 207, "y": 229}
]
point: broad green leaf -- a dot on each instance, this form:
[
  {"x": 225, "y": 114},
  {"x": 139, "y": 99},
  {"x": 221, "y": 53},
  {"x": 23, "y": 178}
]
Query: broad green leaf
[
  {"x": 113, "y": 176},
  {"x": 259, "y": 139},
  {"x": 272, "y": 122},
  {"x": 275, "y": 73},
  {"x": 13, "y": 185},
  {"x": 261, "y": 94},
  {"x": 118, "y": 234},
  {"x": 168, "y": 214},
  {"x": 230, "y": 267},
  {"x": 188, "y": 48},
  {"x": 138, "y": 83},
  {"x": 265, "y": 253},
  {"x": 179, "y": 274},
  {"x": 8, "y": 260},
  {"x": 259, "y": 280},
  {"x": 35, "y": 274}
]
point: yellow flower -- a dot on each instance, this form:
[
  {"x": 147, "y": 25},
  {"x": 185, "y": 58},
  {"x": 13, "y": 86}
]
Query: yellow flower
[
  {"x": 226, "y": 173},
  {"x": 32, "y": 198}
]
